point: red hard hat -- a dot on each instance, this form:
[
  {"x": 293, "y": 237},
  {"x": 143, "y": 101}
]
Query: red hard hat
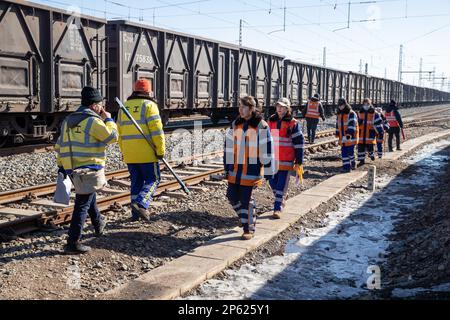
[{"x": 143, "y": 85}]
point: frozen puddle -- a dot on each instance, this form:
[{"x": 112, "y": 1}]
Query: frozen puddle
[{"x": 335, "y": 261}]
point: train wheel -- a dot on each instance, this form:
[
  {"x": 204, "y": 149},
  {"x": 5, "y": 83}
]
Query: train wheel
[
  {"x": 215, "y": 118},
  {"x": 165, "y": 117},
  {"x": 3, "y": 141}
]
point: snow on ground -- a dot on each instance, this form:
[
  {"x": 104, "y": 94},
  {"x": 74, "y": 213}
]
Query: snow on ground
[{"x": 337, "y": 260}]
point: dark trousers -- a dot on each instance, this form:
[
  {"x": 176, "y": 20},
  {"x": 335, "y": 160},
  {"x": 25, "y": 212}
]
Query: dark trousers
[
  {"x": 380, "y": 149},
  {"x": 394, "y": 131},
  {"x": 362, "y": 148},
  {"x": 348, "y": 157},
  {"x": 311, "y": 126},
  {"x": 145, "y": 178},
  {"x": 85, "y": 204},
  {"x": 240, "y": 198},
  {"x": 279, "y": 184}
]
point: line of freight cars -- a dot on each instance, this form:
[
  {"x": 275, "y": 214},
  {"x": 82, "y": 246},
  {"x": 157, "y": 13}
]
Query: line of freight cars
[{"x": 48, "y": 55}]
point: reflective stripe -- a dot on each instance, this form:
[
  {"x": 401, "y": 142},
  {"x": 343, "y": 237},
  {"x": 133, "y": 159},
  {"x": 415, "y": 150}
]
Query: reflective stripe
[
  {"x": 139, "y": 136},
  {"x": 298, "y": 134},
  {"x": 83, "y": 144},
  {"x": 244, "y": 176},
  {"x": 88, "y": 129},
  {"x": 157, "y": 117},
  {"x": 285, "y": 144},
  {"x": 83, "y": 155},
  {"x": 112, "y": 136}
]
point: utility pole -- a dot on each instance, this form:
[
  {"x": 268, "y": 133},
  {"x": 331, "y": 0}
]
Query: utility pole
[
  {"x": 385, "y": 73},
  {"x": 420, "y": 70},
  {"x": 324, "y": 56},
  {"x": 240, "y": 32},
  {"x": 367, "y": 69},
  {"x": 400, "y": 64},
  {"x": 442, "y": 86},
  {"x": 360, "y": 65}
]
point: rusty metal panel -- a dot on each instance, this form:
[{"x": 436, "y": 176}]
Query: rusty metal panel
[
  {"x": 276, "y": 79},
  {"x": 315, "y": 81},
  {"x": 21, "y": 58},
  {"x": 177, "y": 71},
  {"x": 227, "y": 82},
  {"x": 306, "y": 83},
  {"x": 204, "y": 72},
  {"x": 79, "y": 53},
  {"x": 262, "y": 78},
  {"x": 134, "y": 53},
  {"x": 47, "y": 56},
  {"x": 246, "y": 73},
  {"x": 331, "y": 87},
  {"x": 293, "y": 82}
]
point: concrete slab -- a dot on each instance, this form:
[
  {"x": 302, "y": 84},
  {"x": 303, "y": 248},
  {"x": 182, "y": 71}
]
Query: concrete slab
[
  {"x": 51, "y": 204},
  {"x": 185, "y": 273},
  {"x": 19, "y": 212}
]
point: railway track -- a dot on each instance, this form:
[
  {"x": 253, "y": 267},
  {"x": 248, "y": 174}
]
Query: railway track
[
  {"x": 31, "y": 209},
  {"x": 189, "y": 124}
]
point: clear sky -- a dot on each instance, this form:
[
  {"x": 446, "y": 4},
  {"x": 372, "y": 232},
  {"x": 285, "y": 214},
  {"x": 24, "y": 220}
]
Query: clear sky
[{"x": 423, "y": 27}]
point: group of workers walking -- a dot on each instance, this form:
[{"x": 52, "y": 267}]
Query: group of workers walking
[{"x": 254, "y": 150}]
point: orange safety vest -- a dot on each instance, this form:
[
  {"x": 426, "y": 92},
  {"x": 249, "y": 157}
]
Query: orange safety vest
[
  {"x": 367, "y": 133},
  {"x": 283, "y": 145},
  {"x": 392, "y": 120},
  {"x": 312, "y": 110},
  {"x": 342, "y": 128},
  {"x": 250, "y": 171}
]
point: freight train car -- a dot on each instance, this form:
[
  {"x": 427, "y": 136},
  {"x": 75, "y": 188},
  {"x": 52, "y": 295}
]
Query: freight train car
[
  {"x": 46, "y": 57},
  {"x": 189, "y": 74}
]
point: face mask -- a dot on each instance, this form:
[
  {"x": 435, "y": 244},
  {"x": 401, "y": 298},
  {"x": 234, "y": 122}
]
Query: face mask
[
  {"x": 341, "y": 107},
  {"x": 366, "y": 107}
]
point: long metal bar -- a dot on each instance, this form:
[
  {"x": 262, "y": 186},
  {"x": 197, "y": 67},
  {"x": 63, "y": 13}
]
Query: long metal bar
[{"x": 151, "y": 144}]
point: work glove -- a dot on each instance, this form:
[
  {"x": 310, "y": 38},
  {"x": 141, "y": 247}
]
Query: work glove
[
  {"x": 298, "y": 168},
  {"x": 63, "y": 172}
]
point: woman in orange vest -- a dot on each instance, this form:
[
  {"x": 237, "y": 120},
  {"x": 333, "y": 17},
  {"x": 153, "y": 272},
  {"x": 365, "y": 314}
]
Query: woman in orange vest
[
  {"x": 288, "y": 144},
  {"x": 347, "y": 132},
  {"x": 248, "y": 156},
  {"x": 370, "y": 126},
  {"x": 312, "y": 113},
  {"x": 380, "y": 138},
  {"x": 394, "y": 119}
]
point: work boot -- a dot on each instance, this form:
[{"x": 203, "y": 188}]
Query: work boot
[
  {"x": 100, "y": 229},
  {"x": 391, "y": 150},
  {"x": 141, "y": 211},
  {"x": 372, "y": 158},
  {"x": 343, "y": 170},
  {"x": 76, "y": 248},
  {"x": 361, "y": 163},
  {"x": 276, "y": 214},
  {"x": 247, "y": 235},
  {"x": 399, "y": 149}
]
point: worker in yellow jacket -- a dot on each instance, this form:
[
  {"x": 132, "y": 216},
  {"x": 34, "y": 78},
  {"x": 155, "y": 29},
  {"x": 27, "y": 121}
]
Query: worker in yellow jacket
[
  {"x": 81, "y": 150},
  {"x": 141, "y": 159}
]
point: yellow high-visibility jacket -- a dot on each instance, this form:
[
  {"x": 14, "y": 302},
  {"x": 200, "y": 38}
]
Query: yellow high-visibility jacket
[
  {"x": 89, "y": 136},
  {"x": 134, "y": 147}
]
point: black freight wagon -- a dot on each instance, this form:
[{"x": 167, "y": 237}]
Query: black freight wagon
[{"x": 47, "y": 56}]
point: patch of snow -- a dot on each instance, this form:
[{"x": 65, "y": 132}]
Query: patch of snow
[{"x": 333, "y": 261}]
